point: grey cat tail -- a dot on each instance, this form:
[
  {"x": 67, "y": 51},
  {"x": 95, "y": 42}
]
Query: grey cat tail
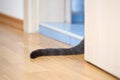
[{"x": 59, "y": 51}]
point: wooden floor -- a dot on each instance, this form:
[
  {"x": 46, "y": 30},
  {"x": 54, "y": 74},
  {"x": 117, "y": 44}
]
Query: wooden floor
[{"x": 15, "y": 64}]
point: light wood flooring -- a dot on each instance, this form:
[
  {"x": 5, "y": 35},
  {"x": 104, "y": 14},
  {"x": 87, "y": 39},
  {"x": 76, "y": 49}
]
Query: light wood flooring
[{"x": 15, "y": 64}]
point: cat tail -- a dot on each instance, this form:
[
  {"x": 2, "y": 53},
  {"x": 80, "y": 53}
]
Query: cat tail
[{"x": 59, "y": 51}]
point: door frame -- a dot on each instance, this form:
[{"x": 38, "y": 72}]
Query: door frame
[{"x": 31, "y": 16}]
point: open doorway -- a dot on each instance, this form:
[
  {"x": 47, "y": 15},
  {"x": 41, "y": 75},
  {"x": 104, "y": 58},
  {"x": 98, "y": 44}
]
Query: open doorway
[
  {"x": 64, "y": 19},
  {"x": 77, "y": 11}
]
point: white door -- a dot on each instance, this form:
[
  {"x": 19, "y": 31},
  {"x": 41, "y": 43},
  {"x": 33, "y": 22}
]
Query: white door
[
  {"x": 51, "y": 11},
  {"x": 102, "y": 34}
]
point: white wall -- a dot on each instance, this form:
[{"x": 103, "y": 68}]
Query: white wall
[
  {"x": 55, "y": 11},
  {"x": 51, "y": 10},
  {"x": 102, "y": 34},
  {"x": 12, "y": 7}
]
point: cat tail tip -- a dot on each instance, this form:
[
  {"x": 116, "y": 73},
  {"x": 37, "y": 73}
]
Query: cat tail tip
[{"x": 33, "y": 55}]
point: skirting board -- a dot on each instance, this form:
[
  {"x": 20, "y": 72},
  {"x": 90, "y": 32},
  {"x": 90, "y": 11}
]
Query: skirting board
[{"x": 12, "y": 21}]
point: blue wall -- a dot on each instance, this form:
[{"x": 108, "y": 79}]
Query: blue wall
[{"x": 77, "y": 11}]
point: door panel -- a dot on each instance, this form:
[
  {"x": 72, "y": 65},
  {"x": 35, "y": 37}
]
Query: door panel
[{"x": 102, "y": 34}]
